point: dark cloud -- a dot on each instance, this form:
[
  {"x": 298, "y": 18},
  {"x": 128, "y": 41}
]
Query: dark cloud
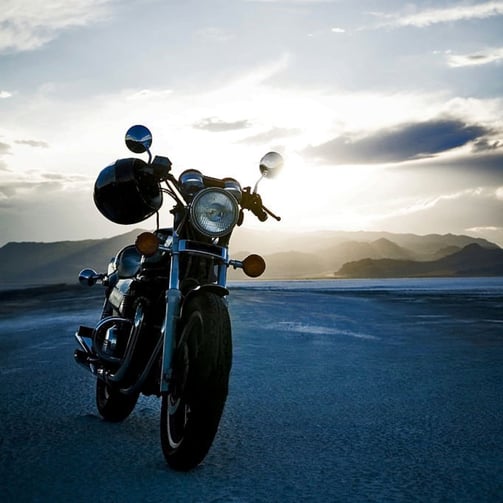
[
  {"x": 33, "y": 143},
  {"x": 490, "y": 162},
  {"x": 484, "y": 145},
  {"x": 271, "y": 135},
  {"x": 480, "y": 167},
  {"x": 215, "y": 125},
  {"x": 476, "y": 57},
  {"x": 404, "y": 143}
]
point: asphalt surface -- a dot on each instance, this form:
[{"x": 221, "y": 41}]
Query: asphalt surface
[{"x": 335, "y": 396}]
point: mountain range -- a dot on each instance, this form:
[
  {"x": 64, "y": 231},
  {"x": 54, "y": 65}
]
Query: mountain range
[
  {"x": 472, "y": 260},
  {"x": 329, "y": 254}
]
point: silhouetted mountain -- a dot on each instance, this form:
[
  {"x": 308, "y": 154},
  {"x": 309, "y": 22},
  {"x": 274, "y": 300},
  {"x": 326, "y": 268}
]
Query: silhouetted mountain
[
  {"x": 444, "y": 252},
  {"x": 335, "y": 256},
  {"x": 420, "y": 247},
  {"x": 288, "y": 256},
  {"x": 472, "y": 260},
  {"x": 30, "y": 263}
]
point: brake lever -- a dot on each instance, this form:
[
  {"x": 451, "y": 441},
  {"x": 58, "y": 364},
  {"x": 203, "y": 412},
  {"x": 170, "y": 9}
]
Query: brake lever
[{"x": 269, "y": 212}]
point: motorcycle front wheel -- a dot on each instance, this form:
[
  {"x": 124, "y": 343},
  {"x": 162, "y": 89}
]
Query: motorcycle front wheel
[
  {"x": 192, "y": 408},
  {"x": 113, "y": 405}
]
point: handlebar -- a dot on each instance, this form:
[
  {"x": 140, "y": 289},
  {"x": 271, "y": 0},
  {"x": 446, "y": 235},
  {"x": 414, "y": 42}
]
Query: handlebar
[
  {"x": 271, "y": 213},
  {"x": 253, "y": 202},
  {"x": 249, "y": 200}
]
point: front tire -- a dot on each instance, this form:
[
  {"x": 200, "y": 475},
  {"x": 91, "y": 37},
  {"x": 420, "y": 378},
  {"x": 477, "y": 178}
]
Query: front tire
[
  {"x": 113, "y": 405},
  {"x": 192, "y": 408}
]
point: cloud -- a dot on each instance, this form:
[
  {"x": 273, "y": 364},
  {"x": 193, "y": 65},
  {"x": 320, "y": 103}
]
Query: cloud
[
  {"x": 488, "y": 166},
  {"x": 406, "y": 142},
  {"x": 216, "y": 125},
  {"x": 454, "y": 212},
  {"x": 33, "y": 143},
  {"x": 483, "y": 57},
  {"x": 294, "y": 1},
  {"x": 29, "y": 24},
  {"x": 19, "y": 188},
  {"x": 483, "y": 165},
  {"x": 5, "y": 94},
  {"x": 428, "y": 17},
  {"x": 35, "y": 184},
  {"x": 149, "y": 94},
  {"x": 486, "y": 145},
  {"x": 214, "y": 34},
  {"x": 487, "y": 228},
  {"x": 271, "y": 135},
  {"x": 4, "y": 148},
  {"x": 46, "y": 211}
]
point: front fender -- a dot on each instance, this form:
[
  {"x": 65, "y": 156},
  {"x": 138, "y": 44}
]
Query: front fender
[{"x": 219, "y": 290}]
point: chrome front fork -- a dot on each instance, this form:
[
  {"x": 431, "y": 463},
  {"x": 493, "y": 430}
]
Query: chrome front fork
[
  {"x": 174, "y": 299},
  {"x": 173, "y": 306}
]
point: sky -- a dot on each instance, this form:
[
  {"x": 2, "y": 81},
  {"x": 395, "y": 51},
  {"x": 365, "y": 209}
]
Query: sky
[{"x": 389, "y": 114}]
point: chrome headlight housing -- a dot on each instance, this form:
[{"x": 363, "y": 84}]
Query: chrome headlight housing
[{"x": 214, "y": 212}]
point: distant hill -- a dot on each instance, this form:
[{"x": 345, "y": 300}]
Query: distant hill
[
  {"x": 336, "y": 256},
  {"x": 319, "y": 242},
  {"x": 472, "y": 260},
  {"x": 288, "y": 256},
  {"x": 28, "y": 263}
]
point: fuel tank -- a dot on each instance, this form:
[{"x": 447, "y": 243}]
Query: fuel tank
[{"x": 121, "y": 297}]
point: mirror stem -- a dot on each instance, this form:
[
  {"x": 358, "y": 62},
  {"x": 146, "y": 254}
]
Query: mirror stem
[{"x": 256, "y": 185}]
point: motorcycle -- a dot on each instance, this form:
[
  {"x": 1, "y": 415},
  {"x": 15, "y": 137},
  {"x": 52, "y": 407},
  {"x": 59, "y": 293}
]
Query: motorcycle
[{"x": 165, "y": 328}]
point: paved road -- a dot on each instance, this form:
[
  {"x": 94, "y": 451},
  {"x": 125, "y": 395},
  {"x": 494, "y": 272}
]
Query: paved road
[{"x": 335, "y": 396}]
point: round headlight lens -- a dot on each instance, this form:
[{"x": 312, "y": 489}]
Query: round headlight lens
[{"x": 214, "y": 212}]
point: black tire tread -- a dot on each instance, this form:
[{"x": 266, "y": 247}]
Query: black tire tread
[{"x": 209, "y": 383}]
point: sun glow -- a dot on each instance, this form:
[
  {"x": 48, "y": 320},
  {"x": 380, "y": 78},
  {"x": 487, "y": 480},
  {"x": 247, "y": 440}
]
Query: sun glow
[{"x": 320, "y": 196}]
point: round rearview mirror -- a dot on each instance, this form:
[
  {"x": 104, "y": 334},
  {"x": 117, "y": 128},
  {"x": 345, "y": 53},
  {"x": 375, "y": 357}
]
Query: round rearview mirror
[
  {"x": 89, "y": 277},
  {"x": 138, "y": 139},
  {"x": 271, "y": 164}
]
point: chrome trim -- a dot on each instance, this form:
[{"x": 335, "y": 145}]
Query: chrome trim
[{"x": 203, "y": 249}]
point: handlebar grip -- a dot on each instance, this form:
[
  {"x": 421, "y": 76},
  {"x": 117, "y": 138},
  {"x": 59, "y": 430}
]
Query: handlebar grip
[
  {"x": 253, "y": 202},
  {"x": 260, "y": 214}
]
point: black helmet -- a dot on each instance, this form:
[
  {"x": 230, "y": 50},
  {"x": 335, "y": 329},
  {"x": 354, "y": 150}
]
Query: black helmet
[{"x": 126, "y": 193}]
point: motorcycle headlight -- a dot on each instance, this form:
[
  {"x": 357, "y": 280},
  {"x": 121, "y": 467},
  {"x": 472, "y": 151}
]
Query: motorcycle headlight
[{"x": 214, "y": 212}]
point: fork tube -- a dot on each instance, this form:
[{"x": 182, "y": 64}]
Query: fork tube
[
  {"x": 173, "y": 301},
  {"x": 222, "y": 269}
]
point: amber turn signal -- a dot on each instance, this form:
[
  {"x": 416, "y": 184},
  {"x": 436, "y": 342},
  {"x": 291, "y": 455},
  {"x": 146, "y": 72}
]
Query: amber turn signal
[
  {"x": 147, "y": 243},
  {"x": 253, "y": 265}
]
